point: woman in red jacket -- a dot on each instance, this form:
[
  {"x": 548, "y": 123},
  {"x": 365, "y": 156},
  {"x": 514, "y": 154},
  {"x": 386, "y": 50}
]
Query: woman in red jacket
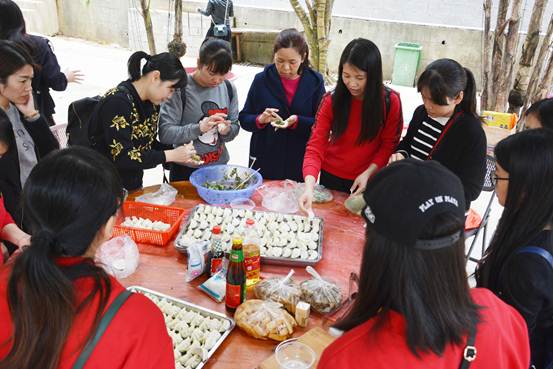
[
  {"x": 53, "y": 296},
  {"x": 357, "y": 127}
]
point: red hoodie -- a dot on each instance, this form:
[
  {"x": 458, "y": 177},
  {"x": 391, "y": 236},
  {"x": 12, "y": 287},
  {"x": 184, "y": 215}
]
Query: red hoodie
[
  {"x": 501, "y": 342},
  {"x": 343, "y": 157},
  {"x": 136, "y": 337},
  {"x": 5, "y": 219}
]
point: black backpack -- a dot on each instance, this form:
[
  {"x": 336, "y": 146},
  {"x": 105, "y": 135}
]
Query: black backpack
[{"x": 82, "y": 127}]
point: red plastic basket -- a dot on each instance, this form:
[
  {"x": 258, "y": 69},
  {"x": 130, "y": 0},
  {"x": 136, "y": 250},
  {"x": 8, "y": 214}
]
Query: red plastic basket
[{"x": 165, "y": 214}]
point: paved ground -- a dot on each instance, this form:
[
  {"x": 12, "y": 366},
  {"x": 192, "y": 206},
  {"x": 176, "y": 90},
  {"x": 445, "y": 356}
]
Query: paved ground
[{"x": 104, "y": 67}]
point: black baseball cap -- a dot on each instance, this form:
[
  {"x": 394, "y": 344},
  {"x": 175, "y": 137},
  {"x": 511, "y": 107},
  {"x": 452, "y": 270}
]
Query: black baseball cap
[{"x": 403, "y": 197}]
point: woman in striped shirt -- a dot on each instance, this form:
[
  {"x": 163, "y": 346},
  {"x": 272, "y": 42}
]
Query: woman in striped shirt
[{"x": 446, "y": 127}]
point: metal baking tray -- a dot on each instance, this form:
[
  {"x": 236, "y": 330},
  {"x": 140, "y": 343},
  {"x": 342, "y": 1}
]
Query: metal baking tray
[
  {"x": 265, "y": 259},
  {"x": 196, "y": 308}
]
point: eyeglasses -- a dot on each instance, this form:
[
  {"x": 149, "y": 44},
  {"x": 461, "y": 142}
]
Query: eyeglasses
[{"x": 496, "y": 178}]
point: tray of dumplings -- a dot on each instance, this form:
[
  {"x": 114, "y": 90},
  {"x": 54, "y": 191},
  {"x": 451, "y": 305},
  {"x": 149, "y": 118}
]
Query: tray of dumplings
[
  {"x": 285, "y": 239},
  {"x": 196, "y": 332}
]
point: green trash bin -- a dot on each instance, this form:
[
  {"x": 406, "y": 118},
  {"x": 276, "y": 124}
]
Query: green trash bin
[{"x": 406, "y": 63}]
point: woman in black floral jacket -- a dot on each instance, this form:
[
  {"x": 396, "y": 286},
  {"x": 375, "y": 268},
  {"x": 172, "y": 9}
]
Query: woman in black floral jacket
[{"x": 127, "y": 118}]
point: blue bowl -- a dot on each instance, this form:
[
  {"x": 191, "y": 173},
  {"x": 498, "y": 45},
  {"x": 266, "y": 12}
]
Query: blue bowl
[{"x": 216, "y": 173}]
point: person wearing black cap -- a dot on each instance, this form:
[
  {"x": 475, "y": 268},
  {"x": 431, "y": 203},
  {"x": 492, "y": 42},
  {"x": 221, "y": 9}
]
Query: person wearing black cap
[{"x": 414, "y": 308}]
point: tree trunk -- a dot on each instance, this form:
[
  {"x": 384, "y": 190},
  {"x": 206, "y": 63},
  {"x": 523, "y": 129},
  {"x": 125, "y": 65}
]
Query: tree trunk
[
  {"x": 506, "y": 75},
  {"x": 498, "y": 45},
  {"x": 176, "y": 46},
  {"x": 486, "y": 55},
  {"x": 145, "y": 4},
  {"x": 547, "y": 44},
  {"x": 316, "y": 24},
  {"x": 178, "y": 20},
  {"x": 546, "y": 82},
  {"x": 520, "y": 87}
]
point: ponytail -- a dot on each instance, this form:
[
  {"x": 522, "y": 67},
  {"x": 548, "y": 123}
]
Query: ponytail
[
  {"x": 65, "y": 214},
  {"x": 168, "y": 65},
  {"x": 468, "y": 104},
  {"x": 41, "y": 306},
  {"x": 133, "y": 64}
]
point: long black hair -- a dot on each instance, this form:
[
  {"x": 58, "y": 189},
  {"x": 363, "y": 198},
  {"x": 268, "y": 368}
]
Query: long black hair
[
  {"x": 364, "y": 55},
  {"x": 543, "y": 110},
  {"x": 428, "y": 287},
  {"x": 169, "y": 67},
  {"x": 12, "y": 26},
  {"x": 69, "y": 196},
  {"x": 528, "y": 158},
  {"x": 216, "y": 55},
  {"x": 291, "y": 38},
  {"x": 6, "y": 131},
  {"x": 13, "y": 57},
  {"x": 447, "y": 78}
]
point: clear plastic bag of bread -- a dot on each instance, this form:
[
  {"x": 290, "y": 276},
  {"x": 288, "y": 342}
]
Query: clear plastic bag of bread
[
  {"x": 282, "y": 290},
  {"x": 265, "y": 320},
  {"x": 323, "y": 295}
]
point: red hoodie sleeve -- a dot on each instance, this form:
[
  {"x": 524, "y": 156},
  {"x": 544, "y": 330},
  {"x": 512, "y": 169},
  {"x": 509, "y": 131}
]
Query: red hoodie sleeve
[
  {"x": 318, "y": 142},
  {"x": 5, "y": 217},
  {"x": 391, "y": 133}
]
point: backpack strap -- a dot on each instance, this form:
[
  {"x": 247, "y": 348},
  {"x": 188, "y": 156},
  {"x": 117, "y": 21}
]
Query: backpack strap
[
  {"x": 94, "y": 129},
  {"x": 104, "y": 323},
  {"x": 469, "y": 352},
  {"x": 537, "y": 251},
  {"x": 387, "y": 93}
]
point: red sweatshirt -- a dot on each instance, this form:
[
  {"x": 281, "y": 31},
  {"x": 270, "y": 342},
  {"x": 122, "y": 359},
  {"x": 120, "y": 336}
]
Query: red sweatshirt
[
  {"x": 501, "y": 342},
  {"x": 343, "y": 157},
  {"x": 5, "y": 219},
  {"x": 136, "y": 338}
]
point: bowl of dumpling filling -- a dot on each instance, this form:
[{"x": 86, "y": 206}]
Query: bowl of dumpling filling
[{"x": 220, "y": 184}]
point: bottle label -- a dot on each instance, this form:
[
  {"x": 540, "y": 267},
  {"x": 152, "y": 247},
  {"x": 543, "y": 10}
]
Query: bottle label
[
  {"x": 216, "y": 265},
  {"x": 252, "y": 265},
  {"x": 234, "y": 296}
]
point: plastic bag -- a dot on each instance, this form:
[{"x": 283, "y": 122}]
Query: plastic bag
[
  {"x": 215, "y": 287},
  {"x": 355, "y": 204},
  {"x": 279, "y": 197},
  {"x": 320, "y": 193},
  {"x": 264, "y": 319},
  {"x": 166, "y": 195},
  {"x": 198, "y": 254},
  {"x": 118, "y": 256},
  {"x": 323, "y": 296},
  {"x": 282, "y": 290}
]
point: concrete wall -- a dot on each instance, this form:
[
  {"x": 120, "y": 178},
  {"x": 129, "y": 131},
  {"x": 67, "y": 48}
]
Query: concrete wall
[
  {"x": 96, "y": 20},
  {"x": 457, "y": 13},
  {"x": 116, "y": 21},
  {"x": 41, "y": 16}
]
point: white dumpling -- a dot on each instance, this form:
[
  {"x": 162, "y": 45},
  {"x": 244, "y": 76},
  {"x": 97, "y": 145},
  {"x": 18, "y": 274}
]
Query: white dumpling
[
  {"x": 227, "y": 212},
  {"x": 198, "y": 319},
  {"x": 276, "y": 252},
  {"x": 188, "y": 316},
  {"x": 198, "y": 233},
  {"x": 194, "y": 361},
  {"x": 211, "y": 339},
  {"x": 287, "y": 252},
  {"x": 225, "y": 325},
  {"x": 184, "y": 345},
  {"x": 312, "y": 245},
  {"x": 184, "y": 358},
  {"x": 313, "y": 254},
  {"x": 304, "y": 254},
  {"x": 198, "y": 335},
  {"x": 296, "y": 253}
]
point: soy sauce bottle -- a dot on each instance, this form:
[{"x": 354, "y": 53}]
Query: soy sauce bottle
[{"x": 236, "y": 277}]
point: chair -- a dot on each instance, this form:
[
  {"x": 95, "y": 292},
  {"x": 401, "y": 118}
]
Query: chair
[
  {"x": 482, "y": 228},
  {"x": 59, "y": 131}
]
